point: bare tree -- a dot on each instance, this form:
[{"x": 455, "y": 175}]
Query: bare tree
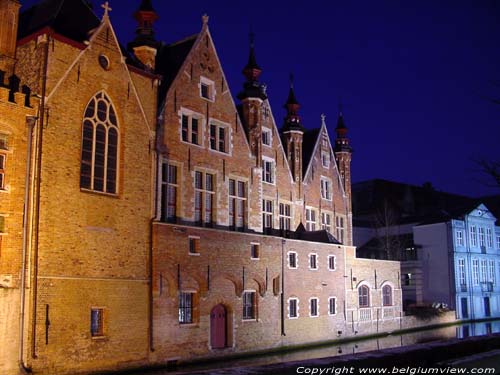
[
  {"x": 386, "y": 222},
  {"x": 490, "y": 170}
]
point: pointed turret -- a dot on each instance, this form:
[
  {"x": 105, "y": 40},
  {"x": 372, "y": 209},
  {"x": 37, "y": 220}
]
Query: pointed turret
[
  {"x": 341, "y": 142},
  {"x": 343, "y": 154},
  {"x": 252, "y": 88},
  {"x": 145, "y": 45},
  {"x": 292, "y": 106}
]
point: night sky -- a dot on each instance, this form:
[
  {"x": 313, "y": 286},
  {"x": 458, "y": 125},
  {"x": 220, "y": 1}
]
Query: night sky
[{"x": 413, "y": 76}]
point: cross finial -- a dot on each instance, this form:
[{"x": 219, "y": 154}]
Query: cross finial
[
  {"x": 205, "y": 18},
  {"x": 323, "y": 118},
  {"x": 106, "y": 8}
]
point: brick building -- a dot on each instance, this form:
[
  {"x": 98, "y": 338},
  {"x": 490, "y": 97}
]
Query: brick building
[{"x": 163, "y": 220}]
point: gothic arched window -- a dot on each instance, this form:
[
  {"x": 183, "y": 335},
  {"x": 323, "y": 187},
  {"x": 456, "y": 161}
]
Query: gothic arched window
[
  {"x": 99, "y": 146},
  {"x": 387, "y": 295},
  {"x": 364, "y": 296}
]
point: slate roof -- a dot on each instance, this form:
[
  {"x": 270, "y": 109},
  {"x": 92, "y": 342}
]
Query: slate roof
[
  {"x": 169, "y": 60},
  {"x": 308, "y": 143},
  {"x": 70, "y": 18},
  {"x": 319, "y": 236}
]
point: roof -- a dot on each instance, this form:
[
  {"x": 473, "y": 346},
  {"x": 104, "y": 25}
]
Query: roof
[
  {"x": 73, "y": 19},
  {"x": 170, "y": 59},
  {"x": 146, "y": 6},
  {"x": 308, "y": 142}
]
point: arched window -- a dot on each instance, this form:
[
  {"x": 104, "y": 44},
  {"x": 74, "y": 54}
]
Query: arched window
[
  {"x": 99, "y": 146},
  {"x": 364, "y": 296},
  {"x": 387, "y": 295}
]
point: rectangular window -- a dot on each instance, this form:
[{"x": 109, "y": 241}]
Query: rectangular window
[
  {"x": 313, "y": 307},
  {"x": 205, "y": 91},
  {"x": 267, "y": 214},
  {"x": 326, "y": 189},
  {"x": 204, "y": 198},
  {"x": 461, "y": 272},
  {"x": 207, "y": 88},
  {"x": 407, "y": 279},
  {"x": 310, "y": 219},
  {"x": 325, "y": 159},
  {"x": 313, "y": 261},
  {"x": 254, "y": 251},
  {"x": 219, "y": 138},
  {"x": 190, "y": 129},
  {"x": 484, "y": 270},
  {"x": 266, "y": 137},
  {"x": 331, "y": 262},
  {"x": 489, "y": 238},
  {"x": 491, "y": 275},
  {"x": 268, "y": 171},
  {"x": 326, "y": 221},
  {"x": 475, "y": 271},
  {"x": 460, "y": 237},
  {"x": 169, "y": 192},
  {"x": 237, "y": 204},
  {"x": 4, "y": 141},
  {"x": 332, "y": 306},
  {"x": 97, "y": 322},
  {"x": 185, "y": 308},
  {"x": 292, "y": 260},
  {"x": 482, "y": 241},
  {"x": 285, "y": 216},
  {"x": 194, "y": 245},
  {"x": 293, "y": 308},
  {"x": 249, "y": 310},
  {"x": 339, "y": 221},
  {"x": 3, "y": 159},
  {"x": 473, "y": 235},
  {"x": 498, "y": 242}
]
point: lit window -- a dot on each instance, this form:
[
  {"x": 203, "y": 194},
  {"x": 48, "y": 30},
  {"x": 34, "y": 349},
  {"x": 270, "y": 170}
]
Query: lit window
[
  {"x": 387, "y": 295},
  {"x": 237, "y": 203},
  {"x": 185, "y": 308},
  {"x": 194, "y": 245},
  {"x": 326, "y": 221},
  {"x": 3, "y": 159},
  {"x": 461, "y": 272},
  {"x": 293, "y": 308},
  {"x": 313, "y": 261},
  {"x": 326, "y": 189},
  {"x": 332, "y": 306},
  {"x": 484, "y": 270},
  {"x": 285, "y": 216},
  {"x": 97, "y": 322},
  {"x": 268, "y": 171},
  {"x": 481, "y": 237},
  {"x": 339, "y": 221},
  {"x": 364, "y": 296},
  {"x": 203, "y": 198},
  {"x": 475, "y": 271},
  {"x": 254, "y": 251},
  {"x": 207, "y": 89},
  {"x": 99, "y": 163},
  {"x": 310, "y": 219},
  {"x": 473, "y": 235},
  {"x": 249, "y": 305},
  {"x": 498, "y": 242},
  {"x": 292, "y": 260},
  {"x": 191, "y": 128},
  {"x": 489, "y": 238},
  {"x": 219, "y": 135},
  {"x": 313, "y": 307},
  {"x": 169, "y": 188},
  {"x": 267, "y": 137},
  {"x": 407, "y": 279},
  {"x": 267, "y": 214},
  {"x": 491, "y": 270},
  {"x": 460, "y": 237},
  {"x": 331, "y": 262}
]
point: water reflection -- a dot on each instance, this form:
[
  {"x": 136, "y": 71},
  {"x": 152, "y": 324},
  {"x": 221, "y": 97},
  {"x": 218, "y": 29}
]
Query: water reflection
[{"x": 391, "y": 341}]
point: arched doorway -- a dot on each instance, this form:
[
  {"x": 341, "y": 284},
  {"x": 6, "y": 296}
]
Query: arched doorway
[{"x": 218, "y": 327}]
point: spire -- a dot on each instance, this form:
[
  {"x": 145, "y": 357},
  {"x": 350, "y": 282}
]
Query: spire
[
  {"x": 252, "y": 71},
  {"x": 292, "y": 106},
  {"x": 145, "y": 17},
  {"x": 342, "y": 142}
]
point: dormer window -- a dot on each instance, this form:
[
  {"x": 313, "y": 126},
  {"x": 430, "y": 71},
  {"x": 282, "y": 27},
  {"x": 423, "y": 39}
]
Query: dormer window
[{"x": 207, "y": 89}]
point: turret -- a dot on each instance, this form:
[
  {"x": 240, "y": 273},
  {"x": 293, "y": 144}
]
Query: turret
[
  {"x": 343, "y": 152},
  {"x": 9, "y": 16},
  {"x": 293, "y": 132},
  {"x": 145, "y": 45}
]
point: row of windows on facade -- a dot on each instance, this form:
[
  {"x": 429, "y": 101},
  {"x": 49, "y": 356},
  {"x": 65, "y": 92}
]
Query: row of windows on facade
[
  {"x": 478, "y": 235},
  {"x": 204, "y": 204},
  {"x": 483, "y": 271},
  {"x": 313, "y": 261}
]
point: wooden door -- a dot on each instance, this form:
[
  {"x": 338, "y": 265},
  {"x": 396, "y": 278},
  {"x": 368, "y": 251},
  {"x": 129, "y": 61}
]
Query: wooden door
[{"x": 218, "y": 326}]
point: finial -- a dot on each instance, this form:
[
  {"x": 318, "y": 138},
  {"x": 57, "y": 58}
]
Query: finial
[
  {"x": 251, "y": 35},
  {"x": 323, "y": 119},
  {"x": 205, "y": 18},
  {"x": 340, "y": 106},
  {"x": 107, "y": 9},
  {"x": 291, "y": 80}
]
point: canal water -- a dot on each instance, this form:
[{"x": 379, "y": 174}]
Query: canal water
[{"x": 391, "y": 341}]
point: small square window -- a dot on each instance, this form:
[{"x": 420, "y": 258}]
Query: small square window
[
  {"x": 97, "y": 322},
  {"x": 292, "y": 260},
  {"x": 254, "y": 251},
  {"x": 194, "y": 245},
  {"x": 313, "y": 261}
]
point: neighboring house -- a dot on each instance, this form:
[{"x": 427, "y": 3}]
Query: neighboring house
[{"x": 461, "y": 262}]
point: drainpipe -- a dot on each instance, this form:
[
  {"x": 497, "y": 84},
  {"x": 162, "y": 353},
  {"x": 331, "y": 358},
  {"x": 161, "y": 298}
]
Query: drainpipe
[
  {"x": 37, "y": 198},
  {"x": 30, "y": 123}
]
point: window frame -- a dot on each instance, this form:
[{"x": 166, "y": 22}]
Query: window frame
[
  {"x": 364, "y": 298},
  {"x": 313, "y": 261},
  {"x": 311, "y": 219},
  {"x": 97, "y": 329},
  {"x": 326, "y": 224},
  {"x": 489, "y": 238},
  {"x": 249, "y": 307},
  {"x": 184, "y": 112},
  {"x": 296, "y": 259},
  {"x": 237, "y": 201},
  {"x": 269, "y": 135},
  {"x": 473, "y": 235},
  {"x": 268, "y": 176},
  {"x": 194, "y": 244},
  {"x": 295, "y": 302},
  {"x": 218, "y": 125},
  {"x": 206, "y": 82},
  {"x": 326, "y": 188},
  {"x": 267, "y": 214},
  {"x": 255, "y": 250},
  {"x": 3, "y": 168},
  {"x": 330, "y": 257},
  {"x": 186, "y": 311},
  {"x": 475, "y": 271},
  {"x": 461, "y": 272},
  {"x": 314, "y": 307},
  {"x": 340, "y": 228},
  {"x": 285, "y": 220},
  {"x": 168, "y": 186},
  {"x": 330, "y": 299},
  {"x": 204, "y": 193},
  {"x": 326, "y": 154},
  {"x": 387, "y": 297},
  {"x": 459, "y": 237}
]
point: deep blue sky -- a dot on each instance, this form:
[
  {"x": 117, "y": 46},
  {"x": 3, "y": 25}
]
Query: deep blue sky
[{"x": 413, "y": 75}]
